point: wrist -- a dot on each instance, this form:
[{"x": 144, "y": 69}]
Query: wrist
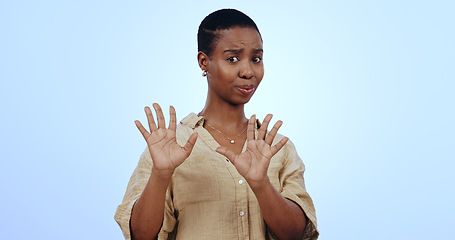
[
  {"x": 260, "y": 185},
  {"x": 165, "y": 175}
]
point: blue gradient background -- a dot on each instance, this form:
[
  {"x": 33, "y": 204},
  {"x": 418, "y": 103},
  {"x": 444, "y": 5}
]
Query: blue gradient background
[{"x": 365, "y": 90}]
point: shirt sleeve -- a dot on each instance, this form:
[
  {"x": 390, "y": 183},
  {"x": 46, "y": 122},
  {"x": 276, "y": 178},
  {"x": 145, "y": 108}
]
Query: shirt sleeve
[
  {"x": 135, "y": 187},
  {"x": 293, "y": 188}
]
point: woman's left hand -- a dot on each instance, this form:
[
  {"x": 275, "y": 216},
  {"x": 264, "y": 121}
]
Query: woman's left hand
[{"x": 254, "y": 162}]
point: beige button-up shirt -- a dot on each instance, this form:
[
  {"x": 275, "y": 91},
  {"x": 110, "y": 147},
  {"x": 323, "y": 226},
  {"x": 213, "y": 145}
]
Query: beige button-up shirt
[{"x": 208, "y": 199}]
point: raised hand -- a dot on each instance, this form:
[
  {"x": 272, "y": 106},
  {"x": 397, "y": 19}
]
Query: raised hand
[
  {"x": 254, "y": 162},
  {"x": 166, "y": 153}
]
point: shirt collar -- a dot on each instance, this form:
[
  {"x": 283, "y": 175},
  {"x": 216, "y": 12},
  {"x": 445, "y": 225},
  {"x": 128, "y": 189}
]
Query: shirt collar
[{"x": 193, "y": 121}]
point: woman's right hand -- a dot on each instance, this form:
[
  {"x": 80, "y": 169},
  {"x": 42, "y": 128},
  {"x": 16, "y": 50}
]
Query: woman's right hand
[{"x": 166, "y": 153}]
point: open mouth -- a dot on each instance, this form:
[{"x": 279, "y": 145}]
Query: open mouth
[{"x": 246, "y": 89}]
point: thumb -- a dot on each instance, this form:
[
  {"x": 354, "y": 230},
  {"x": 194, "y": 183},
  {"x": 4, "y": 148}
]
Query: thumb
[
  {"x": 190, "y": 143},
  {"x": 227, "y": 153}
]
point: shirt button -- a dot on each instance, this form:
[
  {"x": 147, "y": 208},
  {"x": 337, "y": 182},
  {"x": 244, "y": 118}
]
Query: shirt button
[
  {"x": 242, "y": 213},
  {"x": 240, "y": 181}
]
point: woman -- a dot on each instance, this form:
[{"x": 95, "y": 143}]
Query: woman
[{"x": 232, "y": 179}]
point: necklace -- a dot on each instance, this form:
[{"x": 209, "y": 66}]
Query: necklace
[{"x": 230, "y": 139}]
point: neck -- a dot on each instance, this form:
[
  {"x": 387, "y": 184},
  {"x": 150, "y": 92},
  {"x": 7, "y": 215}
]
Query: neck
[{"x": 224, "y": 115}]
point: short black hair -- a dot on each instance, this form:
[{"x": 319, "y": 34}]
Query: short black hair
[{"x": 222, "y": 19}]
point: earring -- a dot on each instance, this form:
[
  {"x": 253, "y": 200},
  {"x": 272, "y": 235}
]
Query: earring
[{"x": 204, "y": 73}]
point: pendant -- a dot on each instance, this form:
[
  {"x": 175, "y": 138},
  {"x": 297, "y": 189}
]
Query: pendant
[{"x": 232, "y": 141}]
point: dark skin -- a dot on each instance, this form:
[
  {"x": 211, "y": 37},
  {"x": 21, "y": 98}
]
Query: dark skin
[
  {"x": 234, "y": 72},
  {"x": 232, "y": 69}
]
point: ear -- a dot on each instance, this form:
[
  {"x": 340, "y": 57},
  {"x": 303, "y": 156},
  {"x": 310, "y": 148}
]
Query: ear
[{"x": 203, "y": 61}]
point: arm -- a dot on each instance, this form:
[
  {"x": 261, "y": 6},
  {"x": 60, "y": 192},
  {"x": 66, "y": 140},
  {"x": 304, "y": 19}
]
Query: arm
[
  {"x": 284, "y": 217},
  {"x": 148, "y": 212}
]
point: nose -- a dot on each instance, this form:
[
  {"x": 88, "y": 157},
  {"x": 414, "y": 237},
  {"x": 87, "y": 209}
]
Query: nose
[{"x": 246, "y": 71}]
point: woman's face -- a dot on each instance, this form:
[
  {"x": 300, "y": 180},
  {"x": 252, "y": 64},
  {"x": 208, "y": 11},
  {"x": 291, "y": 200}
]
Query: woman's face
[{"x": 235, "y": 68}]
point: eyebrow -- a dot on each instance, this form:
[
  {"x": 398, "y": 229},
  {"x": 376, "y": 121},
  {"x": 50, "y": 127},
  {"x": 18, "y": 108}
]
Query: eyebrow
[
  {"x": 241, "y": 50},
  {"x": 233, "y": 50}
]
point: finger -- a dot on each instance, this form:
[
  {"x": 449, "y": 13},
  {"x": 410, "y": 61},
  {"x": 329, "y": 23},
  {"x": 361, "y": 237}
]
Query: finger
[
  {"x": 263, "y": 130},
  {"x": 149, "y": 114},
  {"x": 141, "y": 128},
  {"x": 227, "y": 153},
  {"x": 273, "y": 132},
  {"x": 251, "y": 128},
  {"x": 159, "y": 116},
  {"x": 190, "y": 143},
  {"x": 279, "y": 145},
  {"x": 173, "y": 120}
]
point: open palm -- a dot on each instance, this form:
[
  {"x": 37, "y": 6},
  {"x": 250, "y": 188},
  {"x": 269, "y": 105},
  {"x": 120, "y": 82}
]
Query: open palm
[
  {"x": 166, "y": 153},
  {"x": 254, "y": 162}
]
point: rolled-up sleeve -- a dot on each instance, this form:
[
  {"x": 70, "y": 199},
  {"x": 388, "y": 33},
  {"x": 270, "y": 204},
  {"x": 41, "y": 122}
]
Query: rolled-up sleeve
[
  {"x": 135, "y": 187},
  {"x": 293, "y": 188}
]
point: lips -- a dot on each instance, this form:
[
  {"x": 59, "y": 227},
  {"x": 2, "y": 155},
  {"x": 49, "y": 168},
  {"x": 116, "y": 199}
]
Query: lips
[{"x": 246, "y": 89}]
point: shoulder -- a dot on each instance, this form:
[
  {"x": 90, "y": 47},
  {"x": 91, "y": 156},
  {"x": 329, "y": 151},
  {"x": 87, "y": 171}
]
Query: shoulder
[
  {"x": 288, "y": 148},
  {"x": 186, "y": 127},
  {"x": 288, "y": 153}
]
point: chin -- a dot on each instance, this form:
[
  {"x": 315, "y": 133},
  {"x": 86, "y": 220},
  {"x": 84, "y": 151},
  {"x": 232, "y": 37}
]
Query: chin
[{"x": 241, "y": 101}]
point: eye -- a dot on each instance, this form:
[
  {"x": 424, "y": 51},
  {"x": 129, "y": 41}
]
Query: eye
[
  {"x": 233, "y": 59},
  {"x": 257, "y": 59}
]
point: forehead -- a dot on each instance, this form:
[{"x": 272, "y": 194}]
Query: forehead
[{"x": 238, "y": 38}]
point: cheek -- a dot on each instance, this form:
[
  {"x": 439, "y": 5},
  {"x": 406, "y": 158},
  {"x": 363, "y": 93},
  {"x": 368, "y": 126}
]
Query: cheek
[
  {"x": 227, "y": 72},
  {"x": 259, "y": 72},
  {"x": 221, "y": 69}
]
